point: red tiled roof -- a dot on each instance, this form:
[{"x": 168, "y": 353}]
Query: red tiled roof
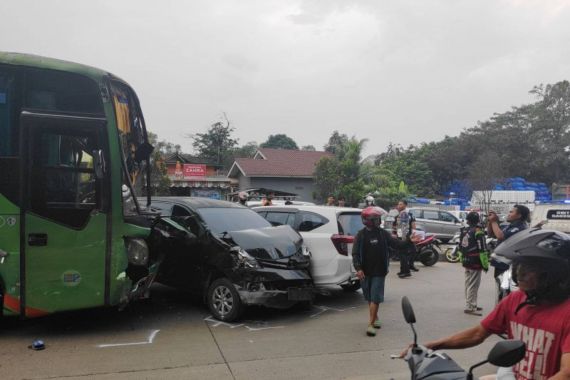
[{"x": 281, "y": 163}]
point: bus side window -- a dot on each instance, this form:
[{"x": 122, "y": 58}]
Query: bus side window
[{"x": 65, "y": 188}]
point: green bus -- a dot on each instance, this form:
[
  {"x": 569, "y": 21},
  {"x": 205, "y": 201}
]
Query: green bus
[{"x": 74, "y": 153}]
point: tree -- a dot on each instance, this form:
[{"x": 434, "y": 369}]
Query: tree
[
  {"x": 340, "y": 175},
  {"x": 280, "y": 141},
  {"x": 216, "y": 144},
  {"x": 483, "y": 177},
  {"x": 159, "y": 181},
  {"x": 310, "y": 148},
  {"x": 336, "y": 142},
  {"x": 246, "y": 151}
]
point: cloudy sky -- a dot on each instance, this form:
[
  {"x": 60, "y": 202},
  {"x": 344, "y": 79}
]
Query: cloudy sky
[{"x": 397, "y": 71}]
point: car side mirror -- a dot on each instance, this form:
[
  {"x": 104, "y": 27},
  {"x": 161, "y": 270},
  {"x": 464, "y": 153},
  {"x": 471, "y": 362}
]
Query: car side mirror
[{"x": 188, "y": 237}]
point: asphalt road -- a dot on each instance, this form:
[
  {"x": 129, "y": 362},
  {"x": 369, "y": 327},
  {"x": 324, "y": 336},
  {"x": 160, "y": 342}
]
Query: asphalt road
[{"x": 172, "y": 336}]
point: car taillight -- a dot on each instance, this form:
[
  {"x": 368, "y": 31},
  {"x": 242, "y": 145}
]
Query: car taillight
[{"x": 341, "y": 243}]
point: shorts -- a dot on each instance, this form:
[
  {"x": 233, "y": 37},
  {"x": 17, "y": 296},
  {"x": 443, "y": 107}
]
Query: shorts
[{"x": 373, "y": 288}]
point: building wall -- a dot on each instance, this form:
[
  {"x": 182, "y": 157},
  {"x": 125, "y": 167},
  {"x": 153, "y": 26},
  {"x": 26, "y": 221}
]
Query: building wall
[
  {"x": 244, "y": 182},
  {"x": 303, "y": 187}
]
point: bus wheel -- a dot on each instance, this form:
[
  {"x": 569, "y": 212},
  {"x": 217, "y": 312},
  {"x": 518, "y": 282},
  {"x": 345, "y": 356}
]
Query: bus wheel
[{"x": 223, "y": 300}]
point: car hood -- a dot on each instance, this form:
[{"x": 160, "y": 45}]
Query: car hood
[{"x": 270, "y": 243}]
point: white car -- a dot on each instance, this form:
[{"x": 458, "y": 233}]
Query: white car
[{"x": 328, "y": 232}]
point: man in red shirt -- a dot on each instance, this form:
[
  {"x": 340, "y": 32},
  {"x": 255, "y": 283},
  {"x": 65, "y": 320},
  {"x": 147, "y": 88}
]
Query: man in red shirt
[{"x": 538, "y": 314}]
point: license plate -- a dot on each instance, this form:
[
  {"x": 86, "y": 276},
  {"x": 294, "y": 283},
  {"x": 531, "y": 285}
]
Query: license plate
[{"x": 299, "y": 294}]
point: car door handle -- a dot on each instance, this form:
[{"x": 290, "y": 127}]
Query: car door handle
[{"x": 37, "y": 240}]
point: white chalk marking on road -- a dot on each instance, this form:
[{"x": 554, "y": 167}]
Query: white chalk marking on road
[
  {"x": 216, "y": 323},
  {"x": 150, "y": 340},
  {"x": 326, "y": 308},
  {"x": 263, "y": 328}
]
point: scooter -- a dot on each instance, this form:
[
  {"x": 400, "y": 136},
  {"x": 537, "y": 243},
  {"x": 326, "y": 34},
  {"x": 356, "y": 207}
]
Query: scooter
[
  {"x": 452, "y": 253},
  {"x": 432, "y": 365},
  {"x": 427, "y": 251}
]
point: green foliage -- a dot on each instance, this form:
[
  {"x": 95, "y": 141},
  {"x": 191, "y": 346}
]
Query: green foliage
[
  {"x": 340, "y": 175},
  {"x": 246, "y": 151},
  {"x": 280, "y": 141},
  {"x": 160, "y": 183},
  {"x": 309, "y": 148},
  {"x": 336, "y": 143},
  {"x": 217, "y": 144}
]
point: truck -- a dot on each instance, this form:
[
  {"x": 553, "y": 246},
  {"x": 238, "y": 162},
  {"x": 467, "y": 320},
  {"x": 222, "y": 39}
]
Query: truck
[
  {"x": 74, "y": 156},
  {"x": 501, "y": 201}
]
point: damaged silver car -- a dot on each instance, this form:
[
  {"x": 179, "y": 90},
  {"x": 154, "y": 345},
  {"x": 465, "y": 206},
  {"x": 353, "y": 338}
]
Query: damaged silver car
[{"x": 232, "y": 257}]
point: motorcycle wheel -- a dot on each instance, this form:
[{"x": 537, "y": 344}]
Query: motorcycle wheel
[
  {"x": 428, "y": 256},
  {"x": 451, "y": 255}
]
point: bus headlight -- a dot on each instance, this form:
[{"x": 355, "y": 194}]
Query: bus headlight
[{"x": 137, "y": 251}]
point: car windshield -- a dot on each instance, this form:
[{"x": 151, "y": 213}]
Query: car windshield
[
  {"x": 350, "y": 223},
  {"x": 229, "y": 219}
]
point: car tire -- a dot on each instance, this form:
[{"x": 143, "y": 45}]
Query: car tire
[
  {"x": 351, "y": 286},
  {"x": 223, "y": 300}
]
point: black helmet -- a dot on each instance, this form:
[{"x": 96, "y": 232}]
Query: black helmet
[
  {"x": 473, "y": 218},
  {"x": 546, "y": 252},
  {"x": 536, "y": 243}
]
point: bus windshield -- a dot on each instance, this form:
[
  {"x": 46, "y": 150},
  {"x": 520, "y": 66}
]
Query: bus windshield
[{"x": 134, "y": 144}]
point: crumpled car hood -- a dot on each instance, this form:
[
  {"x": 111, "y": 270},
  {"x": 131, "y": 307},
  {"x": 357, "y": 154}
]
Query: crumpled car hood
[{"x": 270, "y": 243}]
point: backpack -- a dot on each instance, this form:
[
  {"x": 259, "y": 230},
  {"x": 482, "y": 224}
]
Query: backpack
[{"x": 473, "y": 250}]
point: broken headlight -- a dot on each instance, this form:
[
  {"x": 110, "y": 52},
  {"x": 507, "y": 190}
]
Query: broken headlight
[
  {"x": 244, "y": 259},
  {"x": 137, "y": 251}
]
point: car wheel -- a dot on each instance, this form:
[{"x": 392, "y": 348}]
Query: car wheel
[
  {"x": 223, "y": 300},
  {"x": 351, "y": 286}
]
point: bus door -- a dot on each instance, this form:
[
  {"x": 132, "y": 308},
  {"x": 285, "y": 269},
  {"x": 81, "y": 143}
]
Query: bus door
[{"x": 66, "y": 227}]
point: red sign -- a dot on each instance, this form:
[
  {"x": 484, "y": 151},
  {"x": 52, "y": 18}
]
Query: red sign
[{"x": 194, "y": 170}]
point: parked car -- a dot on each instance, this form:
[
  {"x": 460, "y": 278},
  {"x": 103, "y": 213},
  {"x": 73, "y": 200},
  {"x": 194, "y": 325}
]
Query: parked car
[
  {"x": 438, "y": 222},
  {"x": 328, "y": 233},
  {"x": 232, "y": 256},
  {"x": 280, "y": 202},
  {"x": 459, "y": 214}
]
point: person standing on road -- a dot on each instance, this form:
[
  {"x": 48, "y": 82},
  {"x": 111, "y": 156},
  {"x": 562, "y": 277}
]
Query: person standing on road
[
  {"x": 518, "y": 218},
  {"x": 402, "y": 228},
  {"x": 370, "y": 257},
  {"x": 474, "y": 258},
  {"x": 243, "y": 197}
]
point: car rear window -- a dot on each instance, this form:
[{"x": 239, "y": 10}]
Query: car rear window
[
  {"x": 280, "y": 218},
  {"x": 349, "y": 223},
  {"x": 221, "y": 219},
  {"x": 309, "y": 221}
]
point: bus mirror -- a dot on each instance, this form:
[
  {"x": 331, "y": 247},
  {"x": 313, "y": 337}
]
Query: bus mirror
[
  {"x": 143, "y": 152},
  {"x": 99, "y": 163}
]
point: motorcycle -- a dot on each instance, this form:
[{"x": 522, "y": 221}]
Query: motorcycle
[
  {"x": 452, "y": 253},
  {"x": 427, "y": 251},
  {"x": 432, "y": 365}
]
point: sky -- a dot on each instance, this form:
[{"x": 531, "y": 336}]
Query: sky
[{"x": 397, "y": 71}]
